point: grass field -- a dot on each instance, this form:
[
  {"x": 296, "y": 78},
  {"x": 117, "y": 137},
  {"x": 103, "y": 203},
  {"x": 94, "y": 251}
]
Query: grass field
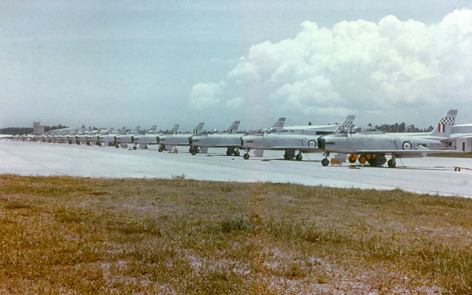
[{"x": 150, "y": 236}]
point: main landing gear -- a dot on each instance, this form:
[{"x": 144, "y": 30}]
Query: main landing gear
[
  {"x": 194, "y": 150},
  {"x": 290, "y": 155},
  {"x": 392, "y": 163},
  {"x": 233, "y": 151}
]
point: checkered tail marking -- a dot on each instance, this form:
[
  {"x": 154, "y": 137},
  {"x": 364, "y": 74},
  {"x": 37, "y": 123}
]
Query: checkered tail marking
[{"x": 442, "y": 124}]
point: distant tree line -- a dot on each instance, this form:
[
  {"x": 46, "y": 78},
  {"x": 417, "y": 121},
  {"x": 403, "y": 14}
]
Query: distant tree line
[
  {"x": 402, "y": 127},
  {"x": 27, "y": 130}
]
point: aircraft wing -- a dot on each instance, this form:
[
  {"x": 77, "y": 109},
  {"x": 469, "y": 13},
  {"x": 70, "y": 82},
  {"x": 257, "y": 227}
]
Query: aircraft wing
[
  {"x": 460, "y": 135},
  {"x": 406, "y": 152}
]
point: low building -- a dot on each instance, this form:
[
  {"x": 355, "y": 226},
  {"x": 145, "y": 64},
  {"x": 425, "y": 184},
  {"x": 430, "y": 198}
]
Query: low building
[
  {"x": 38, "y": 129},
  {"x": 464, "y": 143}
]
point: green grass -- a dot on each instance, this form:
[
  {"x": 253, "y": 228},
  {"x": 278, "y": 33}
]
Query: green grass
[{"x": 177, "y": 236}]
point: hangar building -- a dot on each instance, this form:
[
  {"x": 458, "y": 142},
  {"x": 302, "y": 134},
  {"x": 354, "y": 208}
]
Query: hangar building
[{"x": 465, "y": 143}]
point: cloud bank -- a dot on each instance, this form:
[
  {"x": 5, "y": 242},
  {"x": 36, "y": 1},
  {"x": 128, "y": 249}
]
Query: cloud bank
[{"x": 354, "y": 67}]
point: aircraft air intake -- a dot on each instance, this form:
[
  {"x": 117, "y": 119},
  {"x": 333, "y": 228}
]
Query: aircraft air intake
[{"x": 321, "y": 143}]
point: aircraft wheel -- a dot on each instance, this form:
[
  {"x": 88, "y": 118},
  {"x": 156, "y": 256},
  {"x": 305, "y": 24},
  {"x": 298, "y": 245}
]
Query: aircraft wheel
[
  {"x": 391, "y": 164},
  {"x": 325, "y": 162},
  {"x": 237, "y": 154},
  {"x": 299, "y": 157},
  {"x": 193, "y": 152},
  {"x": 134, "y": 147},
  {"x": 372, "y": 162},
  {"x": 228, "y": 153},
  {"x": 160, "y": 150},
  {"x": 117, "y": 146},
  {"x": 246, "y": 156}
]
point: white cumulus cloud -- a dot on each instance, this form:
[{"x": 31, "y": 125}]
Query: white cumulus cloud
[
  {"x": 354, "y": 66},
  {"x": 205, "y": 95}
]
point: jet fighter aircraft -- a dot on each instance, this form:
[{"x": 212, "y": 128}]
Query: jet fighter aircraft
[
  {"x": 108, "y": 139},
  {"x": 291, "y": 139},
  {"x": 123, "y": 139},
  {"x": 230, "y": 140},
  {"x": 169, "y": 141},
  {"x": 373, "y": 147},
  {"x": 143, "y": 140}
]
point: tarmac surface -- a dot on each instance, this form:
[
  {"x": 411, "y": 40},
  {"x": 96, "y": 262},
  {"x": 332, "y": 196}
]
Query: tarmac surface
[{"x": 429, "y": 175}]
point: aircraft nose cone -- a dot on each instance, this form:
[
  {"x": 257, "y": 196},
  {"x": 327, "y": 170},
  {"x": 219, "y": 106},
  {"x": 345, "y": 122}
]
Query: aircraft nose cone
[{"x": 321, "y": 143}]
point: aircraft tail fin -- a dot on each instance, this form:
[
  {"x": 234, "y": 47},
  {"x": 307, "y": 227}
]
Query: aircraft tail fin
[
  {"x": 280, "y": 123},
  {"x": 234, "y": 127},
  {"x": 198, "y": 129},
  {"x": 445, "y": 125},
  {"x": 348, "y": 123},
  {"x": 278, "y": 126},
  {"x": 175, "y": 129},
  {"x": 122, "y": 130},
  {"x": 137, "y": 129},
  {"x": 153, "y": 129}
]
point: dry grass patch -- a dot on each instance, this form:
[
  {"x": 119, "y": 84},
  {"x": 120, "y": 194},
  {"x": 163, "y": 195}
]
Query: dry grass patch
[{"x": 177, "y": 236}]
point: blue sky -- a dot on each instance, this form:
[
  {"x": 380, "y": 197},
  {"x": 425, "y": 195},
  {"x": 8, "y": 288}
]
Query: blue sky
[{"x": 128, "y": 63}]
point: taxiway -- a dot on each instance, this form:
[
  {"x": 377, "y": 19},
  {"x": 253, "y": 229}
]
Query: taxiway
[{"x": 426, "y": 175}]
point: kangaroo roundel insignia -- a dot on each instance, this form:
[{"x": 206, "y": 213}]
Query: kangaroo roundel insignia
[
  {"x": 312, "y": 143},
  {"x": 406, "y": 145}
]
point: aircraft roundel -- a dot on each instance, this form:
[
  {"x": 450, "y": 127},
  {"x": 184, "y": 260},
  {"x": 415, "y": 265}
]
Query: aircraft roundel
[
  {"x": 406, "y": 145},
  {"x": 312, "y": 143}
]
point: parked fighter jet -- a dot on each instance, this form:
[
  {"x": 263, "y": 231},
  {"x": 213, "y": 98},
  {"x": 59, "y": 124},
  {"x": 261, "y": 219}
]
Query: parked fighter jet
[
  {"x": 143, "y": 140},
  {"x": 373, "y": 147},
  {"x": 93, "y": 138},
  {"x": 308, "y": 129},
  {"x": 108, "y": 139},
  {"x": 298, "y": 139},
  {"x": 230, "y": 140},
  {"x": 169, "y": 141},
  {"x": 123, "y": 139}
]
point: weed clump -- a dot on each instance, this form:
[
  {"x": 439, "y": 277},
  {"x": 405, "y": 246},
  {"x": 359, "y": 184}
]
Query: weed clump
[
  {"x": 16, "y": 204},
  {"x": 239, "y": 223},
  {"x": 178, "y": 177}
]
